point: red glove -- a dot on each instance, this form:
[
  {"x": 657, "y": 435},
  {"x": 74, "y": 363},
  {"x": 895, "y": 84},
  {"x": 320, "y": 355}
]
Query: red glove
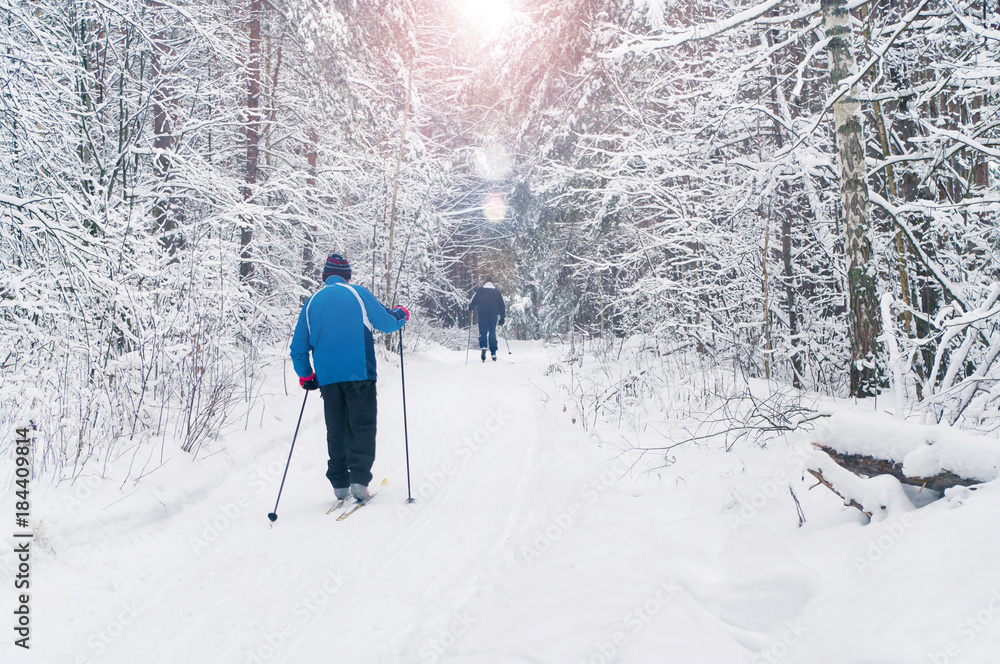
[
  {"x": 405, "y": 311},
  {"x": 309, "y": 382}
]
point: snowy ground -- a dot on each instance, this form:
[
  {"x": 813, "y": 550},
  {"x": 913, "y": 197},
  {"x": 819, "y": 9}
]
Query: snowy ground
[{"x": 531, "y": 541}]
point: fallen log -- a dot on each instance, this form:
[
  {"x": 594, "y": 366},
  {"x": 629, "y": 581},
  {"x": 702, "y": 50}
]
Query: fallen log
[{"x": 868, "y": 466}]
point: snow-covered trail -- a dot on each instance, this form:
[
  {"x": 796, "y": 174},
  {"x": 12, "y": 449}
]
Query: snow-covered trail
[
  {"x": 529, "y": 542},
  {"x": 214, "y": 581}
]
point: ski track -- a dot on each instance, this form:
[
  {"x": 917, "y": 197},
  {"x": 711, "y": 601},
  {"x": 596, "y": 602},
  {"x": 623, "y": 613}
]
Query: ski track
[
  {"x": 374, "y": 587},
  {"x": 524, "y": 546}
]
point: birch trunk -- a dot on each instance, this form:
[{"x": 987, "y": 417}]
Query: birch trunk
[{"x": 849, "y": 127}]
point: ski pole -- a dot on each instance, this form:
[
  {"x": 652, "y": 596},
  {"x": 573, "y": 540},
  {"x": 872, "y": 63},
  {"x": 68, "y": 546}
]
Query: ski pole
[
  {"x": 505, "y": 339},
  {"x": 273, "y": 516},
  {"x": 469, "y": 344},
  {"x": 406, "y": 435}
]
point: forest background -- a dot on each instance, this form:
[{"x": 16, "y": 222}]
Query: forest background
[{"x": 799, "y": 192}]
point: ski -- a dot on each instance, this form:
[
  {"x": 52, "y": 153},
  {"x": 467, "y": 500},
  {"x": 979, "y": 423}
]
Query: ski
[
  {"x": 357, "y": 506},
  {"x": 362, "y": 503},
  {"x": 337, "y": 505}
]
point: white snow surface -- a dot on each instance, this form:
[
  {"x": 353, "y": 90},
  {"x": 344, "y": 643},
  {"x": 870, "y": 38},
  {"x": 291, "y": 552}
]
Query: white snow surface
[{"x": 531, "y": 541}]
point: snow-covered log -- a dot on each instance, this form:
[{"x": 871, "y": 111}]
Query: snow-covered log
[
  {"x": 935, "y": 457},
  {"x": 869, "y": 466},
  {"x": 876, "y": 497}
]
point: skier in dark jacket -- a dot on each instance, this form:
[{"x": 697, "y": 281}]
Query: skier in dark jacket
[
  {"x": 336, "y": 325},
  {"x": 492, "y": 311}
]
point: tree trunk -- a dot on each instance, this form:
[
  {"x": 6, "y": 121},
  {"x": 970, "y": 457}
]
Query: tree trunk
[
  {"x": 849, "y": 127},
  {"x": 84, "y": 82},
  {"x": 311, "y": 272},
  {"x": 253, "y": 133},
  {"x": 785, "y": 212},
  {"x": 793, "y": 316},
  {"x": 768, "y": 348},
  {"x": 980, "y": 177},
  {"x": 165, "y": 225},
  {"x": 395, "y": 189}
]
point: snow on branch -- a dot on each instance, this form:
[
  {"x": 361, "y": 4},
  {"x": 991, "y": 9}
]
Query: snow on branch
[
  {"x": 645, "y": 45},
  {"x": 968, "y": 24},
  {"x": 960, "y": 382},
  {"x": 897, "y": 218},
  {"x": 847, "y": 84}
]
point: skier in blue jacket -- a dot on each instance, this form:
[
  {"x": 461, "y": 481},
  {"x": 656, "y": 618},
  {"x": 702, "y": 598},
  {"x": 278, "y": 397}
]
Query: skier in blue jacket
[
  {"x": 336, "y": 325},
  {"x": 492, "y": 311}
]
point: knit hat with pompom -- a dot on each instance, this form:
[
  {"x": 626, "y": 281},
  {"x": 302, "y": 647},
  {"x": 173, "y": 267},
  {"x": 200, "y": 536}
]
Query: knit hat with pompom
[{"x": 336, "y": 265}]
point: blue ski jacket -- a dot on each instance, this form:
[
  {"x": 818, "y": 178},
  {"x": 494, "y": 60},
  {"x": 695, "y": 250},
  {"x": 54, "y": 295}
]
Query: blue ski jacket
[
  {"x": 336, "y": 325},
  {"x": 489, "y": 301}
]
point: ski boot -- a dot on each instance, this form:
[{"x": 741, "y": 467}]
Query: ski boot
[{"x": 360, "y": 492}]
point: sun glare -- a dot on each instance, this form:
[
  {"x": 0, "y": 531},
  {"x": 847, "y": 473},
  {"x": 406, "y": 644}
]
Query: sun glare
[
  {"x": 491, "y": 162},
  {"x": 495, "y": 207},
  {"x": 490, "y": 15}
]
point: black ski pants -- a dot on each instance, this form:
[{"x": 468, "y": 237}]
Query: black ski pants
[
  {"x": 351, "y": 410},
  {"x": 488, "y": 332}
]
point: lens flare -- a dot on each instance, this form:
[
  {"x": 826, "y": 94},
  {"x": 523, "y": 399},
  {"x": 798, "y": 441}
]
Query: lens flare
[
  {"x": 495, "y": 207},
  {"x": 490, "y": 15}
]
